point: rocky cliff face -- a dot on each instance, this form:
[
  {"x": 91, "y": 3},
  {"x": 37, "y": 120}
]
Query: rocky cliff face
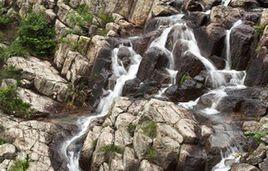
[{"x": 146, "y": 129}]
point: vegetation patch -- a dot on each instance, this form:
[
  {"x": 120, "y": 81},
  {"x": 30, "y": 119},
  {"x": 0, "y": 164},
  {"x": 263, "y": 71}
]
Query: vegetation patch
[
  {"x": 4, "y": 19},
  {"x": 2, "y": 141},
  {"x": 105, "y": 18},
  {"x": 151, "y": 154},
  {"x": 111, "y": 149},
  {"x": 15, "y": 49},
  {"x": 10, "y": 72},
  {"x": 37, "y": 35},
  {"x": 81, "y": 17},
  {"x": 20, "y": 165},
  {"x": 184, "y": 78},
  {"x": 149, "y": 128},
  {"x": 131, "y": 129},
  {"x": 11, "y": 104},
  {"x": 257, "y": 136},
  {"x": 259, "y": 29}
]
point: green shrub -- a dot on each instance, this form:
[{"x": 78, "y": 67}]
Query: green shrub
[
  {"x": 81, "y": 17},
  {"x": 259, "y": 29},
  {"x": 2, "y": 141},
  {"x": 111, "y": 149},
  {"x": 151, "y": 154},
  {"x": 4, "y": 20},
  {"x": 257, "y": 136},
  {"x": 15, "y": 49},
  {"x": 10, "y": 72},
  {"x": 37, "y": 35},
  {"x": 149, "y": 128},
  {"x": 184, "y": 78},
  {"x": 105, "y": 18},
  {"x": 10, "y": 103},
  {"x": 20, "y": 165}
]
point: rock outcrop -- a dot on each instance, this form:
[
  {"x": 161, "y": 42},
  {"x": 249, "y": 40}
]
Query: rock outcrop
[{"x": 142, "y": 135}]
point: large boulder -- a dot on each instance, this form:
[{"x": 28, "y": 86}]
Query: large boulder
[
  {"x": 144, "y": 135},
  {"x": 45, "y": 77},
  {"x": 27, "y": 140},
  {"x": 225, "y": 15},
  {"x": 243, "y": 42},
  {"x": 257, "y": 73}
]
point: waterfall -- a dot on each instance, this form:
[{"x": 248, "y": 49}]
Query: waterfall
[
  {"x": 226, "y": 2},
  {"x": 122, "y": 76},
  {"x": 186, "y": 37},
  {"x": 228, "y": 54}
]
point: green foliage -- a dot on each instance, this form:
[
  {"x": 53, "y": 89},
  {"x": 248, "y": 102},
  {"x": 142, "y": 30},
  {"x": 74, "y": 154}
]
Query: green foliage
[
  {"x": 10, "y": 72},
  {"x": 37, "y": 35},
  {"x": 2, "y": 141},
  {"x": 111, "y": 149},
  {"x": 4, "y": 19},
  {"x": 15, "y": 49},
  {"x": 259, "y": 29},
  {"x": 20, "y": 165},
  {"x": 82, "y": 17},
  {"x": 184, "y": 78},
  {"x": 257, "y": 136},
  {"x": 149, "y": 128},
  {"x": 10, "y": 103},
  {"x": 105, "y": 18},
  {"x": 151, "y": 154},
  {"x": 77, "y": 46},
  {"x": 131, "y": 129}
]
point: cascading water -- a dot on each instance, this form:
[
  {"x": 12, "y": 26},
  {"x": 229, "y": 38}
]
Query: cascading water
[
  {"x": 185, "y": 36},
  {"x": 226, "y": 2},
  {"x": 228, "y": 55},
  {"x": 122, "y": 76}
]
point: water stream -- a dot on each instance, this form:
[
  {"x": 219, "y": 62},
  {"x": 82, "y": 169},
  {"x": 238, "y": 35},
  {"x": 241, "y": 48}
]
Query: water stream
[
  {"x": 122, "y": 74},
  {"x": 186, "y": 36}
]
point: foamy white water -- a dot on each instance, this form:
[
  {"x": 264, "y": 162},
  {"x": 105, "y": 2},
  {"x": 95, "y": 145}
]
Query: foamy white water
[
  {"x": 122, "y": 76},
  {"x": 226, "y": 2},
  {"x": 228, "y": 53}
]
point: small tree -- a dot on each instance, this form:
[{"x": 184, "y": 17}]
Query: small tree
[{"x": 37, "y": 35}]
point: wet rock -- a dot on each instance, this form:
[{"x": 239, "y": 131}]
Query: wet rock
[
  {"x": 257, "y": 156},
  {"x": 258, "y": 75},
  {"x": 191, "y": 5},
  {"x": 226, "y": 16},
  {"x": 244, "y": 4},
  {"x": 250, "y": 126},
  {"x": 186, "y": 63},
  {"x": 242, "y": 43},
  {"x": 154, "y": 59},
  {"x": 192, "y": 158},
  {"x": 244, "y": 167},
  {"x": 264, "y": 165}
]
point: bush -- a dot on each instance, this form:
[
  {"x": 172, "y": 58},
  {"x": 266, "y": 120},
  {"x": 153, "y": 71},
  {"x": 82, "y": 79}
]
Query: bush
[
  {"x": 15, "y": 49},
  {"x": 10, "y": 72},
  {"x": 20, "y": 165},
  {"x": 259, "y": 29},
  {"x": 111, "y": 149},
  {"x": 257, "y": 136},
  {"x": 151, "y": 154},
  {"x": 2, "y": 141},
  {"x": 37, "y": 35},
  {"x": 81, "y": 17},
  {"x": 11, "y": 104},
  {"x": 149, "y": 128},
  {"x": 105, "y": 18},
  {"x": 4, "y": 20}
]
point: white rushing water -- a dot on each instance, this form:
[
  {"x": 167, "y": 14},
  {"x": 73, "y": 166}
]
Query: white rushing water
[
  {"x": 122, "y": 75},
  {"x": 226, "y": 2},
  {"x": 221, "y": 79},
  {"x": 228, "y": 54}
]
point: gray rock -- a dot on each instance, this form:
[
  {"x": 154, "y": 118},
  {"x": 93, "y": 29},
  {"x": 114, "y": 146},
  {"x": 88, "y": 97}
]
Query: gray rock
[{"x": 7, "y": 151}]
